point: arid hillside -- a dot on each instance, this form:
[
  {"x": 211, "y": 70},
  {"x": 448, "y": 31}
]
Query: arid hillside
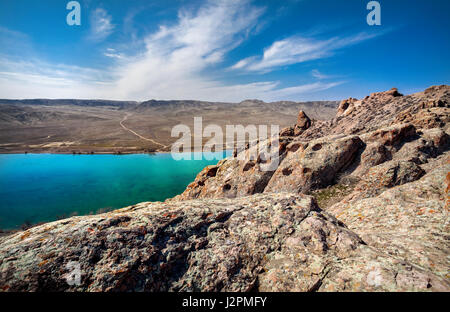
[{"x": 98, "y": 126}]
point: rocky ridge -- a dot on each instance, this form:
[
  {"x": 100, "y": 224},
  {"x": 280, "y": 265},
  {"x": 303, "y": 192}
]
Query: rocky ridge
[{"x": 238, "y": 227}]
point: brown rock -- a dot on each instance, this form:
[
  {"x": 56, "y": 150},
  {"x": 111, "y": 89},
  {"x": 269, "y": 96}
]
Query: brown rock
[
  {"x": 375, "y": 154},
  {"x": 314, "y": 165},
  {"x": 288, "y": 131},
  {"x": 383, "y": 109},
  {"x": 387, "y": 175},
  {"x": 407, "y": 221},
  {"x": 243, "y": 175},
  {"x": 393, "y": 92},
  {"x": 264, "y": 242},
  {"x": 393, "y": 135},
  {"x": 303, "y": 123},
  {"x": 346, "y": 106}
]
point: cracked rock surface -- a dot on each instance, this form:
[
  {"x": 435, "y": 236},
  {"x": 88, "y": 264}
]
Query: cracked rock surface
[{"x": 267, "y": 242}]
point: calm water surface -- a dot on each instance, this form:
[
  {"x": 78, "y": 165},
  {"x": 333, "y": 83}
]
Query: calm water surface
[{"x": 46, "y": 187}]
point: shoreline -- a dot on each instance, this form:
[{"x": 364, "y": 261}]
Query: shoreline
[
  {"x": 79, "y": 153},
  {"x": 9, "y": 231},
  {"x": 98, "y": 153},
  {"x": 90, "y": 152}
]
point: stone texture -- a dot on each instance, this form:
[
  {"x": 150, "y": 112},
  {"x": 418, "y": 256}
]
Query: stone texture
[
  {"x": 237, "y": 176},
  {"x": 408, "y": 221},
  {"x": 266, "y": 242},
  {"x": 346, "y": 107},
  {"x": 288, "y": 131},
  {"x": 314, "y": 164},
  {"x": 384, "y": 109},
  {"x": 246, "y": 224},
  {"x": 207, "y": 245},
  {"x": 303, "y": 123},
  {"x": 307, "y": 163}
]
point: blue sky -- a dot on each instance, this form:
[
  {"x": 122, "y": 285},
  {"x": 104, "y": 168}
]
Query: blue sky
[{"x": 224, "y": 50}]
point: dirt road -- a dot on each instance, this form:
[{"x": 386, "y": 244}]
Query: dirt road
[{"x": 138, "y": 135}]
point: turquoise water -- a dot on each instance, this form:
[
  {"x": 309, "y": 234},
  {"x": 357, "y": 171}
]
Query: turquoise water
[{"x": 45, "y": 187}]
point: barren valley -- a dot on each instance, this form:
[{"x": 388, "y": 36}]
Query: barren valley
[{"x": 101, "y": 126}]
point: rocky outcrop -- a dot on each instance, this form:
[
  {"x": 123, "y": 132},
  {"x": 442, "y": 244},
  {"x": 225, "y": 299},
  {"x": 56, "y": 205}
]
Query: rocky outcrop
[
  {"x": 303, "y": 123},
  {"x": 287, "y": 132},
  {"x": 409, "y": 221},
  {"x": 365, "y": 133},
  {"x": 240, "y": 226},
  {"x": 267, "y": 242},
  {"x": 314, "y": 164},
  {"x": 207, "y": 245},
  {"x": 347, "y": 106},
  {"x": 236, "y": 176},
  {"x": 387, "y": 146},
  {"x": 384, "y": 109}
]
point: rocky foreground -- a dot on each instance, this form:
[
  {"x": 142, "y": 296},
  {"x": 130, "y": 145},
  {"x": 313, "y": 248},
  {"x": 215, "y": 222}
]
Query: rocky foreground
[{"x": 358, "y": 203}]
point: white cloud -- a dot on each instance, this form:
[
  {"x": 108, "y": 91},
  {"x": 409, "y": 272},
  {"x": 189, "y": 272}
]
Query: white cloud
[
  {"x": 297, "y": 49},
  {"x": 175, "y": 62},
  {"x": 317, "y": 74},
  {"x": 242, "y": 63},
  {"x": 112, "y": 53},
  {"x": 292, "y": 92},
  {"x": 176, "y": 59},
  {"x": 38, "y": 79},
  {"x": 101, "y": 25}
]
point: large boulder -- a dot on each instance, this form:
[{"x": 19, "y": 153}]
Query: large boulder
[
  {"x": 269, "y": 242},
  {"x": 315, "y": 164},
  {"x": 203, "y": 245},
  {"x": 246, "y": 173},
  {"x": 346, "y": 107},
  {"x": 303, "y": 123}
]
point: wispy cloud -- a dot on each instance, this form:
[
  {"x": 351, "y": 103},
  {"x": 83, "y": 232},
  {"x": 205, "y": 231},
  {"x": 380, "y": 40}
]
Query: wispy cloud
[
  {"x": 298, "y": 49},
  {"x": 37, "y": 79},
  {"x": 176, "y": 57},
  {"x": 112, "y": 53},
  {"x": 101, "y": 24},
  {"x": 14, "y": 42},
  {"x": 287, "y": 93},
  {"x": 318, "y": 75},
  {"x": 8, "y": 34},
  {"x": 175, "y": 62},
  {"x": 242, "y": 63}
]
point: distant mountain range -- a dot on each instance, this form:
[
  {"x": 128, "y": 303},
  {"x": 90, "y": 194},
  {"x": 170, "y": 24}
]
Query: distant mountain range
[
  {"x": 163, "y": 103},
  {"x": 85, "y": 126}
]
